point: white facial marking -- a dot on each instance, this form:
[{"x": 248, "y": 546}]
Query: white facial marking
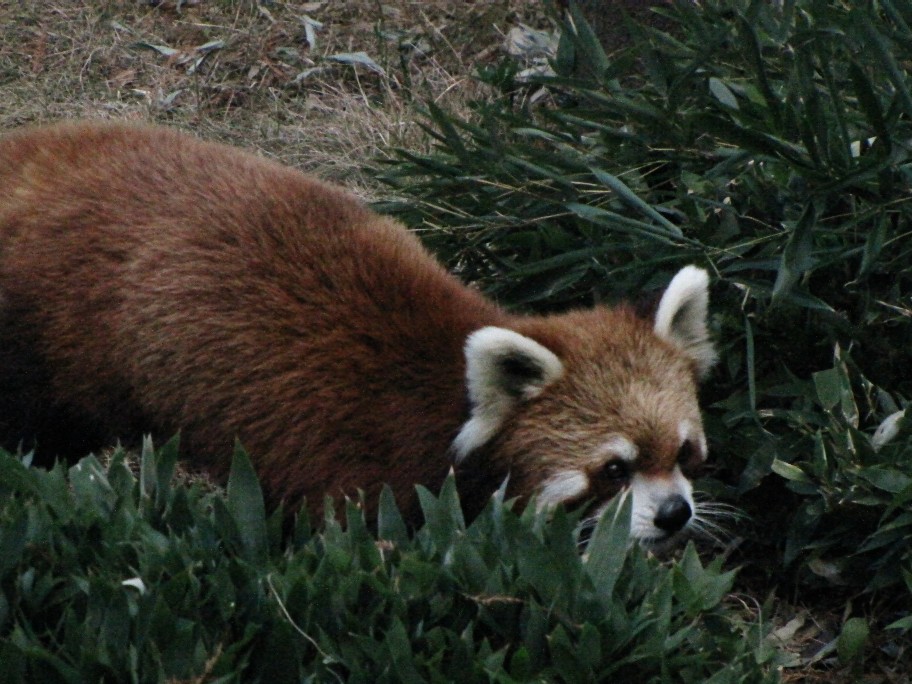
[
  {"x": 683, "y": 430},
  {"x": 649, "y": 493},
  {"x": 562, "y": 487},
  {"x": 475, "y": 432},
  {"x": 687, "y": 432},
  {"x": 620, "y": 447}
]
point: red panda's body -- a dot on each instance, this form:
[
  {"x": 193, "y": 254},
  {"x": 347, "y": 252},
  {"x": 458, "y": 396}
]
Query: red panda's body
[{"x": 150, "y": 282}]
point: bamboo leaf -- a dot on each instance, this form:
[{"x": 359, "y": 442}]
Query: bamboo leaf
[
  {"x": 867, "y": 100},
  {"x": 631, "y": 199},
  {"x": 723, "y": 93},
  {"x": 852, "y": 638},
  {"x": 585, "y": 40},
  {"x": 357, "y": 58},
  {"x": 390, "y": 525},
  {"x": 163, "y": 50},
  {"x": 752, "y": 42},
  {"x": 245, "y": 504},
  {"x": 873, "y": 246},
  {"x": 625, "y": 225},
  {"x": 884, "y": 51},
  {"x": 607, "y": 547},
  {"x": 797, "y": 258},
  {"x": 789, "y": 471}
]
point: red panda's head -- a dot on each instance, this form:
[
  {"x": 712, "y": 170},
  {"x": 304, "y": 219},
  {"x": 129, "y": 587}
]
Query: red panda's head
[{"x": 579, "y": 407}]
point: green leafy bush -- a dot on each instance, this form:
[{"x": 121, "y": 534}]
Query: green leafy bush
[
  {"x": 109, "y": 577},
  {"x": 769, "y": 142}
]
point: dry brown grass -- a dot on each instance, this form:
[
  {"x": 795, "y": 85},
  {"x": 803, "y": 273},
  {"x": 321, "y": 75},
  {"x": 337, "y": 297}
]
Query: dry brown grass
[{"x": 245, "y": 72}]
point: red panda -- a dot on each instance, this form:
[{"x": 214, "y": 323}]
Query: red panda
[{"x": 153, "y": 282}]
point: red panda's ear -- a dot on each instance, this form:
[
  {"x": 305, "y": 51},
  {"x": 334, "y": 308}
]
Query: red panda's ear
[
  {"x": 503, "y": 368},
  {"x": 681, "y": 317}
]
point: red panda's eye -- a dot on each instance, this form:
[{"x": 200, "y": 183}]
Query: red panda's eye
[
  {"x": 615, "y": 470},
  {"x": 688, "y": 456}
]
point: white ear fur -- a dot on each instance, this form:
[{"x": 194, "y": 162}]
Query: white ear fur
[
  {"x": 681, "y": 317},
  {"x": 503, "y": 368}
]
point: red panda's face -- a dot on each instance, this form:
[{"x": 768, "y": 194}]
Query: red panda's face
[{"x": 600, "y": 403}]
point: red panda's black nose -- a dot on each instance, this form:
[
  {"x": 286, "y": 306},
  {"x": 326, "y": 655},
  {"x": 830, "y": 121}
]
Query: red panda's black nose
[{"x": 673, "y": 514}]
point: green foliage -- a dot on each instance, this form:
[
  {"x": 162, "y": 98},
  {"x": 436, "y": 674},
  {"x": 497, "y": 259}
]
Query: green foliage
[
  {"x": 769, "y": 142},
  {"x": 852, "y": 524},
  {"x": 106, "y": 577}
]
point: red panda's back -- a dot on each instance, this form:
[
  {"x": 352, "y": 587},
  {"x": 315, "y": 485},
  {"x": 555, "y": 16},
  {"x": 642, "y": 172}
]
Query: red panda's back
[{"x": 158, "y": 279}]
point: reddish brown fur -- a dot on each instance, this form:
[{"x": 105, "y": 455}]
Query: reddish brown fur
[
  {"x": 153, "y": 282},
  {"x": 623, "y": 381}
]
